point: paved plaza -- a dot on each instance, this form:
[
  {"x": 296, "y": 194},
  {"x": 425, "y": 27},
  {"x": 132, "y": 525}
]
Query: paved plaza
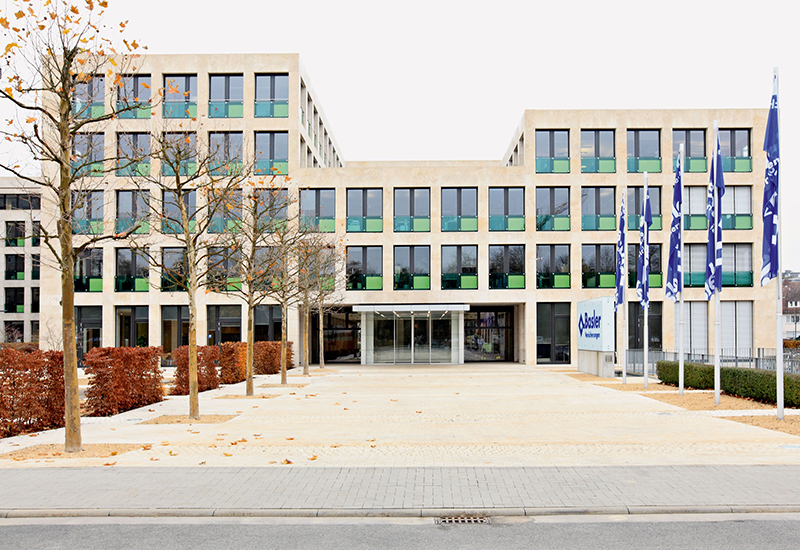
[{"x": 414, "y": 440}]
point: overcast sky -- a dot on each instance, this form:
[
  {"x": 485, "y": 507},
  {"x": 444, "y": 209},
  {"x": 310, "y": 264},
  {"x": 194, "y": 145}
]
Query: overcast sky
[{"x": 450, "y": 80}]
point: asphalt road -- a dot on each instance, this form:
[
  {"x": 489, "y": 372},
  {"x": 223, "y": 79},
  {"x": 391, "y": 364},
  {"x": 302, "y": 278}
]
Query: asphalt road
[{"x": 706, "y": 531}]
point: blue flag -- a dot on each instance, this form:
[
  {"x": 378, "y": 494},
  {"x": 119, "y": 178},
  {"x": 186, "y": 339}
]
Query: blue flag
[
  {"x": 643, "y": 263},
  {"x": 769, "y": 250},
  {"x": 714, "y": 215},
  {"x": 674, "y": 283},
  {"x": 619, "y": 291}
]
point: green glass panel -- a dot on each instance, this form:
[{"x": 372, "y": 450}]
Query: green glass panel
[
  {"x": 449, "y": 223},
  {"x": 743, "y": 164},
  {"x": 561, "y": 223},
  {"x": 516, "y": 281},
  {"x": 607, "y": 223},
  {"x": 743, "y": 221},
  {"x": 422, "y": 282},
  {"x": 421, "y": 224},
  {"x": 561, "y": 166},
  {"x": 607, "y": 280},
  {"x": 469, "y": 282},
  {"x": 374, "y": 282},
  {"x": 97, "y": 110},
  {"x": 657, "y": 224},
  {"x": 561, "y": 280},
  {"x": 141, "y": 284},
  {"x": 235, "y": 109},
  {"x": 21, "y": 275},
  {"x": 374, "y": 225},
  {"x": 96, "y": 285},
  {"x": 234, "y": 283},
  {"x": 644, "y": 164},
  {"x": 96, "y": 227},
  {"x": 607, "y": 165},
  {"x": 327, "y": 225},
  {"x": 497, "y": 223},
  {"x": 695, "y": 222},
  {"x": 280, "y": 109},
  {"x": 20, "y": 308},
  {"x": 655, "y": 280},
  {"x": 469, "y": 223},
  {"x": 402, "y": 224},
  {"x": 698, "y": 164},
  {"x": 516, "y": 223}
]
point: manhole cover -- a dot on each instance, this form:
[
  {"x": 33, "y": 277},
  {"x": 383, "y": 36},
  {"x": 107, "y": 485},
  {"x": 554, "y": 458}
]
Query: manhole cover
[{"x": 450, "y": 520}]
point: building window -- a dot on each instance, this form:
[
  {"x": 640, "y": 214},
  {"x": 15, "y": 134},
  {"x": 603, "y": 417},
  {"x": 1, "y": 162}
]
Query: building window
[
  {"x": 737, "y": 264},
  {"x": 133, "y": 154},
  {"x": 174, "y": 329},
  {"x": 737, "y": 207},
  {"x": 552, "y": 151},
  {"x": 224, "y": 214},
  {"x": 553, "y": 332},
  {"x": 737, "y": 329},
  {"x": 20, "y": 202},
  {"x": 15, "y": 300},
  {"x": 15, "y": 233},
  {"x": 506, "y": 209},
  {"x": 507, "y": 266},
  {"x": 364, "y": 210},
  {"x": 35, "y": 267},
  {"x": 87, "y": 213},
  {"x": 133, "y": 96},
  {"x": 272, "y": 96},
  {"x": 133, "y": 209},
  {"x": 34, "y": 331},
  {"x": 598, "y": 265},
  {"x": 694, "y": 265},
  {"x": 694, "y": 150},
  {"x": 226, "y": 96},
  {"x": 89, "y": 270},
  {"x": 656, "y": 278},
  {"x": 88, "y": 100},
  {"x": 224, "y": 273},
  {"x": 133, "y": 324},
  {"x": 36, "y": 234},
  {"x": 489, "y": 333},
  {"x": 735, "y": 150},
  {"x": 172, "y": 221},
  {"x": 88, "y": 328},
  {"x": 15, "y": 267},
  {"x": 88, "y": 155},
  {"x": 636, "y": 326},
  {"x": 597, "y": 152},
  {"x": 179, "y": 154},
  {"x": 224, "y": 324},
  {"x": 364, "y": 268},
  {"x": 552, "y": 266},
  {"x": 225, "y": 152},
  {"x": 180, "y": 96},
  {"x": 695, "y": 198},
  {"x": 460, "y": 267},
  {"x": 634, "y": 207},
  {"x": 272, "y": 153},
  {"x": 132, "y": 271},
  {"x": 598, "y": 209},
  {"x": 35, "y": 299},
  {"x": 318, "y": 209},
  {"x": 412, "y": 210},
  {"x": 14, "y": 331},
  {"x": 695, "y": 329},
  {"x": 412, "y": 267},
  {"x": 174, "y": 269},
  {"x": 644, "y": 151},
  {"x": 268, "y": 324},
  {"x": 460, "y": 209},
  {"x": 552, "y": 209}
]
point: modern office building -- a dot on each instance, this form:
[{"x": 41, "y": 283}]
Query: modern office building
[{"x": 450, "y": 261}]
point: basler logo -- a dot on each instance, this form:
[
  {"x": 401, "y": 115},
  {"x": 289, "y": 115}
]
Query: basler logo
[{"x": 588, "y": 322}]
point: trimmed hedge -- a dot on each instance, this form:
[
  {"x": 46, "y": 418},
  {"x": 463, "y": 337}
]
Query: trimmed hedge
[
  {"x": 207, "y": 376},
  {"x": 232, "y": 362},
  {"x": 122, "y": 379},
  {"x": 31, "y": 391},
  {"x": 754, "y": 384},
  {"x": 267, "y": 357}
]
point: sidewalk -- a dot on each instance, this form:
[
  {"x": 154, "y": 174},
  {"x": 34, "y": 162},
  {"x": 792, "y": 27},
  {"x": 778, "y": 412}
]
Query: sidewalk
[{"x": 414, "y": 440}]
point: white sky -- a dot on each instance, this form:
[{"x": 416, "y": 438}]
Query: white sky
[{"x": 447, "y": 80}]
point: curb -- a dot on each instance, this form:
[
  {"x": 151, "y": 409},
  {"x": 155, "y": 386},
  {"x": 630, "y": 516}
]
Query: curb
[{"x": 387, "y": 512}]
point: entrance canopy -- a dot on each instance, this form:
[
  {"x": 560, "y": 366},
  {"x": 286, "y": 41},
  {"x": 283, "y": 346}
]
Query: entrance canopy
[{"x": 410, "y": 308}]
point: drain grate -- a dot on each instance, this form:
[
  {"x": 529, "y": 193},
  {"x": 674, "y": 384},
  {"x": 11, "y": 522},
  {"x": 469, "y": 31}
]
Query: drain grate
[{"x": 450, "y": 520}]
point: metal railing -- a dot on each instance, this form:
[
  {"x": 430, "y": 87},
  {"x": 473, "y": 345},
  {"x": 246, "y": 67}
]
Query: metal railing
[{"x": 747, "y": 358}]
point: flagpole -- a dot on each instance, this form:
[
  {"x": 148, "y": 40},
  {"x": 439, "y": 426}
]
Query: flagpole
[
  {"x": 625, "y": 294},
  {"x": 646, "y": 275},
  {"x": 717, "y": 306},
  {"x": 680, "y": 280},
  {"x": 779, "y": 288}
]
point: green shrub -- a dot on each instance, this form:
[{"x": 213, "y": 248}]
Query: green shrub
[{"x": 695, "y": 375}]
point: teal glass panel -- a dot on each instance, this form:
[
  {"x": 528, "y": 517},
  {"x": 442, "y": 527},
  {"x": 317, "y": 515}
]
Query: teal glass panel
[
  {"x": 544, "y": 165},
  {"x": 422, "y": 282},
  {"x": 737, "y": 164},
  {"x": 121, "y": 225},
  {"x": 355, "y": 224},
  {"x": 598, "y": 165},
  {"x": 497, "y": 223},
  {"x": 225, "y": 109},
  {"x": 451, "y": 281},
  {"x": 691, "y": 164},
  {"x": 140, "y": 169},
  {"x": 402, "y": 224},
  {"x": 516, "y": 281},
  {"x": 450, "y": 223},
  {"x": 694, "y": 279},
  {"x": 276, "y": 108},
  {"x": 589, "y": 223},
  {"x": 737, "y": 221},
  {"x": 173, "y": 226},
  {"x": 187, "y": 168},
  {"x": 421, "y": 224}
]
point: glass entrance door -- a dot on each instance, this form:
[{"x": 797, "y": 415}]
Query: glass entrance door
[
  {"x": 412, "y": 338},
  {"x": 403, "y": 338},
  {"x": 422, "y": 341}
]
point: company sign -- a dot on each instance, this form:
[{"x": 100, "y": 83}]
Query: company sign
[{"x": 596, "y": 324}]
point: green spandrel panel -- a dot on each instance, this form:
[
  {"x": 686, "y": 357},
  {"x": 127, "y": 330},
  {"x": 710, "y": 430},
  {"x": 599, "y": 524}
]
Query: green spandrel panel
[
  {"x": 743, "y": 221},
  {"x": 561, "y": 166},
  {"x": 743, "y": 164},
  {"x": 561, "y": 280},
  {"x": 422, "y": 224},
  {"x": 374, "y": 282},
  {"x": 607, "y": 280},
  {"x": 607, "y": 165},
  {"x": 327, "y": 225},
  {"x": 469, "y": 282},
  {"x": 658, "y": 223},
  {"x": 516, "y": 223},
  {"x": 374, "y": 225},
  {"x": 516, "y": 281},
  {"x": 655, "y": 280},
  {"x": 695, "y": 222},
  {"x": 96, "y": 285},
  {"x": 235, "y": 109},
  {"x": 141, "y": 284},
  {"x": 422, "y": 282},
  {"x": 607, "y": 223},
  {"x": 469, "y": 223}
]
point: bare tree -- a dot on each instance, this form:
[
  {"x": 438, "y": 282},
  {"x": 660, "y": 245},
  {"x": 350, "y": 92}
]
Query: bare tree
[{"x": 58, "y": 61}]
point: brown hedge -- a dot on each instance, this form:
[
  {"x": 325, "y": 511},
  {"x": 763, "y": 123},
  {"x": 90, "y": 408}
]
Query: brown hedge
[
  {"x": 121, "y": 379},
  {"x": 207, "y": 362},
  {"x": 232, "y": 362},
  {"x": 267, "y": 357},
  {"x": 31, "y": 391}
]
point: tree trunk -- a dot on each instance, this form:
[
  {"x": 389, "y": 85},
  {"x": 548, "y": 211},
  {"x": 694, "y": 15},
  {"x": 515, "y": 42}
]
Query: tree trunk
[
  {"x": 284, "y": 325},
  {"x": 321, "y": 341},
  {"x": 306, "y": 338},
  {"x": 194, "y": 399},
  {"x": 248, "y": 367}
]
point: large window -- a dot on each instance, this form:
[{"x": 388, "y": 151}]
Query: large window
[
  {"x": 656, "y": 277},
  {"x": 412, "y": 267},
  {"x": 15, "y": 267},
  {"x": 412, "y": 210},
  {"x": 695, "y": 328},
  {"x": 737, "y": 207},
  {"x": 174, "y": 269},
  {"x": 735, "y": 150},
  {"x": 737, "y": 264},
  {"x": 132, "y": 271},
  {"x": 272, "y": 153},
  {"x": 174, "y": 329},
  {"x": 737, "y": 329},
  {"x": 489, "y": 333},
  {"x": 636, "y": 325},
  {"x": 695, "y": 198},
  {"x": 552, "y": 209},
  {"x": 224, "y": 324},
  {"x": 88, "y": 155},
  {"x": 598, "y": 209},
  {"x": 507, "y": 266},
  {"x": 14, "y": 201},
  {"x": 179, "y": 155},
  {"x": 88, "y": 100},
  {"x": 694, "y": 149},
  {"x": 552, "y": 266},
  {"x": 552, "y": 151},
  {"x": 552, "y": 332},
  {"x": 89, "y": 328},
  {"x": 89, "y": 270},
  {"x": 133, "y": 154},
  {"x": 364, "y": 210},
  {"x": 459, "y": 267},
  {"x": 644, "y": 151},
  {"x": 267, "y": 324},
  {"x": 15, "y": 234},
  {"x": 172, "y": 221},
  {"x": 318, "y": 209},
  {"x": 272, "y": 96},
  {"x": 506, "y": 209},
  {"x": 597, "y": 152},
  {"x": 635, "y": 201},
  {"x": 225, "y": 150},
  {"x": 133, "y": 326},
  {"x": 180, "y": 96},
  {"x": 133, "y": 211},
  {"x": 15, "y": 300},
  {"x": 459, "y": 209},
  {"x": 87, "y": 213},
  {"x": 224, "y": 273},
  {"x": 694, "y": 264},
  {"x": 598, "y": 265},
  {"x": 226, "y": 94},
  {"x": 364, "y": 268},
  {"x": 133, "y": 96}
]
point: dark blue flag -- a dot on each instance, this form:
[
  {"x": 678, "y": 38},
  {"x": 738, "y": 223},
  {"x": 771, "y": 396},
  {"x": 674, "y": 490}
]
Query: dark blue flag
[
  {"x": 674, "y": 283},
  {"x": 714, "y": 215},
  {"x": 769, "y": 250},
  {"x": 619, "y": 291},
  {"x": 643, "y": 263}
]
